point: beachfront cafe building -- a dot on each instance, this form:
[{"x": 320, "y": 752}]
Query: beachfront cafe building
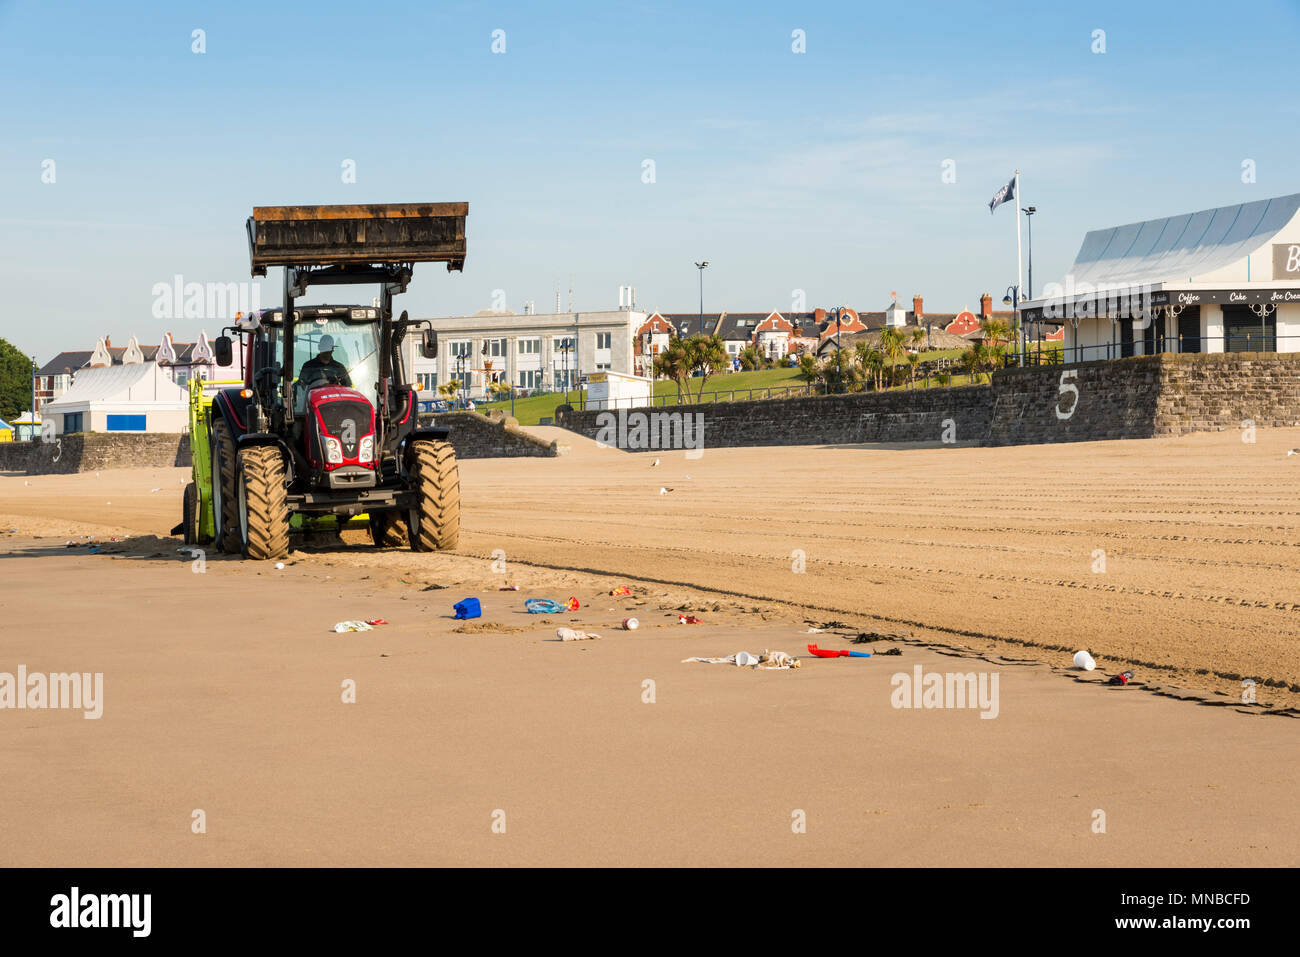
[{"x": 1218, "y": 280}]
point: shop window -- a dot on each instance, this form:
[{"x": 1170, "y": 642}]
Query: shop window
[
  {"x": 1189, "y": 330},
  {"x": 1243, "y": 331}
]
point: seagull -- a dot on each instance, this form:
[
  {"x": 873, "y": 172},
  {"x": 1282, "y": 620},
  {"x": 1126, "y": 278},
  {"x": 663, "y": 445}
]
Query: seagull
[
  {"x": 664, "y": 491},
  {"x": 656, "y": 462},
  {"x": 1293, "y": 451}
]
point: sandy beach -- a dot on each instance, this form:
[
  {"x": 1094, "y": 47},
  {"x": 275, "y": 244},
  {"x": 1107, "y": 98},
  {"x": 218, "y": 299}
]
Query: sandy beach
[{"x": 499, "y": 745}]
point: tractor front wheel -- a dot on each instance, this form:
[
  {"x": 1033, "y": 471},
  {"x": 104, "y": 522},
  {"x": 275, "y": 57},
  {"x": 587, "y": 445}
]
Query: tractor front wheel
[
  {"x": 387, "y": 530},
  {"x": 263, "y": 503},
  {"x": 434, "y": 522}
]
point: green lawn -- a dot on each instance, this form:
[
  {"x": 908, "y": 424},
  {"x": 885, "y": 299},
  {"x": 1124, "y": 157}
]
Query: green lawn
[
  {"x": 719, "y": 387},
  {"x": 723, "y": 387}
]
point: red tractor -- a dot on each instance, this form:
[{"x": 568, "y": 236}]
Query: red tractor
[{"x": 325, "y": 428}]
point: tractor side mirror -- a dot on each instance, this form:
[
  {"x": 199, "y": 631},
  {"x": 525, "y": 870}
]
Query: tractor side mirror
[
  {"x": 429, "y": 347},
  {"x": 224, "y": 351}
]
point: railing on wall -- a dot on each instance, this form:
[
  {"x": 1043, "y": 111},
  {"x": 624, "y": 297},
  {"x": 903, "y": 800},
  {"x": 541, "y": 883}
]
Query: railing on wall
[{"x": 1193, "y": 345}]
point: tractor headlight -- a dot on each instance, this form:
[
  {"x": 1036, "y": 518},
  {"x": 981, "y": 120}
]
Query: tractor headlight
[
  {"x": 333, "y": 451},
  {"x": 367, "y": 453}
]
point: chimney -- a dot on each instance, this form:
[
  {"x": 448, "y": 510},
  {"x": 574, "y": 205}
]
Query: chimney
[
  {"x": 986, "y": 306},
  {"x": 916, "y": 309},
  {"x": 819, "y": 315},
  {"x": 108, "y": 342}
]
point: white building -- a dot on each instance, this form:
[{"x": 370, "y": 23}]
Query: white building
[
  {"x": 135, "y": 397},
  {"x": 616, "y": 390},
  {"x": 1219, "y": 280},
  {"x": 531, "y": 352}
]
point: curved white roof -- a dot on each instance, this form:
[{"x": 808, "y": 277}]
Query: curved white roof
[
  {"x": 1184, "y": 248},
  {"x": 137, "y": 384}
]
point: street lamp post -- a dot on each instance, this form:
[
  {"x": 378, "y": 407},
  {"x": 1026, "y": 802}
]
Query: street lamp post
[
  {"x": 1029, "y": 221},
  {"x": 701, "y": 267},
  {"x": 1012, "y": 299},
  {"x": 34, "y": 370}
]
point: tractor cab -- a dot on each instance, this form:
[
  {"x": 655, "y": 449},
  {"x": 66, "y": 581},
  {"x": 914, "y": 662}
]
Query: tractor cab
[{"x": 335, "y": 385}]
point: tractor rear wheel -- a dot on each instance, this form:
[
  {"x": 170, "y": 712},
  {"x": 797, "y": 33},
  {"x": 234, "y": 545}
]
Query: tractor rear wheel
[
  {"x": 225, "y": 510},
  {"x": 387, "y": 530},
  {"x": 434, "y": 522},
  {"x": 263, "y": 503}
]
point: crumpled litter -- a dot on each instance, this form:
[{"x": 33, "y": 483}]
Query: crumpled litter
[
  {"x": 508, "y": 588},
  {"x": 572, "y": 604},
  {"x": 768, "y": 660},
  {"x": 620, "y": 592},
  {"x": 688, "y": 620},
  {"x": 543, "y": 606},
  {"x": 572, "y": 634},
  {"x": 343, "y": 626},
  {"x": 1123, "y": 678}
]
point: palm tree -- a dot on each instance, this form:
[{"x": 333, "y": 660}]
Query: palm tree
[
  {"x": 751, "y": 359},
  {"x": 919, "y": 335},
  {"x": 892, "y": 344},
  {"x": 871, "y": 360},
  {"x": 996, "y": 331},
  {"x": 913, "y": 360},
  {"x": 708, "y": 354},
  {"x": 977, "y": 359},
  {"x": 808, "y": 368},
  {"x": 674, "y": 363}
]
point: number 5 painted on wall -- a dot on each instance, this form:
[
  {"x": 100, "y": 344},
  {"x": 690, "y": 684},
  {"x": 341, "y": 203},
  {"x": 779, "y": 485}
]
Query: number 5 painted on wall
[{"x": 1066, "y": 389}]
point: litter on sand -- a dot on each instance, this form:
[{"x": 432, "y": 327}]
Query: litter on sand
[
  {"x": 508, "y": 588},
  {"x": 688, "y": 620},
  {"x": 572, "y": 634},
  {"x": 1123, "y": 678},
  {"x": 572, "y": 604},
  {"x": 631, "y": 624},
  {"x": 1083, "y": 661},
  {"x": 620, "y": 592},
  {"x": 343, "y": 626},
  {"x": 831, "y": 653},
  {"x": 543, "y": 606},
  {"x": 768, "y": 660},
  {"x": 467, "y": 608}
]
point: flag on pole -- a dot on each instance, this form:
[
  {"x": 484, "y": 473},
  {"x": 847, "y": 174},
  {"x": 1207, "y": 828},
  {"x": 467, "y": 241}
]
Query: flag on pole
[{"x": 1005, "y": 195}]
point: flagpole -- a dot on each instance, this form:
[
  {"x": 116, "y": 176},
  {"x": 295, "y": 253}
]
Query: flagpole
[{"x": 1020, "y": 359}]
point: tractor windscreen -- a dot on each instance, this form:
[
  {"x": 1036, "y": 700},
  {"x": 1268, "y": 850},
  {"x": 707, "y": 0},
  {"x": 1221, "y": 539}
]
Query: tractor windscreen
[{"x": 355, "y": 348}]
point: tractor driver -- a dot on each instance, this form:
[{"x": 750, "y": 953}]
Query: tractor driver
[{"x": 324, "y": 369}]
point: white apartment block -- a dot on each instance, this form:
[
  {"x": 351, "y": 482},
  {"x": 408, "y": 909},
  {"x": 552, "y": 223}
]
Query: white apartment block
[{"x": 534, "y": 353}]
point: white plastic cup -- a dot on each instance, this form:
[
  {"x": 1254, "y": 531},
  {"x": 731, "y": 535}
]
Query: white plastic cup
[
  {"x": 631, "y": 624},
  {"x": 1083, "y": 660},
  {"x": 744, "y": 659}
]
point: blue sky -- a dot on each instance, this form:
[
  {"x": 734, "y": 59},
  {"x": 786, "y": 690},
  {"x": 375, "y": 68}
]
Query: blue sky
[{"x": 819, "y": 171}]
